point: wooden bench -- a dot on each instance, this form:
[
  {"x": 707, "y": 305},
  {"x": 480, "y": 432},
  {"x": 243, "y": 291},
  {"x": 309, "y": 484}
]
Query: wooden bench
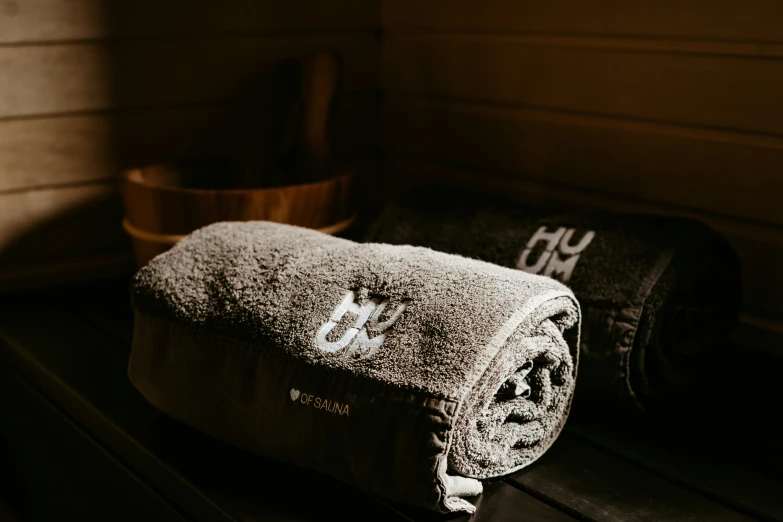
[{"x": 77, "y": 441}]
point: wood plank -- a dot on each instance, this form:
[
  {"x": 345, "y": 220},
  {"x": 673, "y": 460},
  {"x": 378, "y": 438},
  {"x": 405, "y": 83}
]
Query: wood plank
[
  {"x": 693, "y": 89},
  {"x": 48, "y": 151},
  {"x": 59, "y": 353},
  {"x": 56, "y": 150},
  {"x": 755, "y": 20},
  {"x": 60, "y": 233},
  {"x": 632, "y": 44},
  {"x": 57, "y": 223},
  {"x": 97, "y": 76},
  {"x": 759, "y": 247},
  {"x": 652, "y": 162},
  {"x": 61, "y": 471},
  {"x": 47, "y": 273},
  {"x": 499, "y": 502},
  {"x": 64, "y": 372},
  {"x": 6, "y": 513},
  {"x": 600, "y": 486},
  {"x": 692, "y": 463},
  {"x": 53, "y": 20},
  {"x": 763, "y": 333},
  {"x": 690, "y": 440}
]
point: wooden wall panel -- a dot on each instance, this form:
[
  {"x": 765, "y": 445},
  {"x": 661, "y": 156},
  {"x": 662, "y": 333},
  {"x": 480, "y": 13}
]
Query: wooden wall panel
[
  {"x": 760, "y": 333},
  {"x": 89, "y": 267},
  {"x": 58, "y": 20},
  {"x": 752, "y": 20},
  {"x": 41, "y": 152},
  {"x": 88, "y": 87},
  {"x": 79, "y": 77},
  {"x": 667, "y": 107},
  {"x": 65, "y": 222},
  {"x": 704, "y": 88},
  {"x": 726, "y": 173},
  {"x": 68, "y": 221}
]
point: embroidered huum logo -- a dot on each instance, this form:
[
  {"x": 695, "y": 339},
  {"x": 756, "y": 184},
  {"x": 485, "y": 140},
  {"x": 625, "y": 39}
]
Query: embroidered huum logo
[
  {"x": 549, "y": 261},
  {"x": 368, "y": 331}
]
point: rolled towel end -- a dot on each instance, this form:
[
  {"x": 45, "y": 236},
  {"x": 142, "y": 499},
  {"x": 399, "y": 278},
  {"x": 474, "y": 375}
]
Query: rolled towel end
[{"x": 520, "y": 404}]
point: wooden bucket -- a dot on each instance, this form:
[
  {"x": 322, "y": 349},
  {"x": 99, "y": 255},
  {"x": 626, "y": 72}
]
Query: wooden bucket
[{"x": 162, "y": 207}]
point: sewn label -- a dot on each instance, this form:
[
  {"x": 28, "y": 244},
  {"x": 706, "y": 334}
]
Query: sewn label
[
  {"x": 558, "y": 257},
  {"x": 319, "y": 403}
]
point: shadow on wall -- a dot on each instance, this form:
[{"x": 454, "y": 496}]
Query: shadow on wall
[
  {"x": 166, "y": 80},
  {"x": 56, "y": 233}
]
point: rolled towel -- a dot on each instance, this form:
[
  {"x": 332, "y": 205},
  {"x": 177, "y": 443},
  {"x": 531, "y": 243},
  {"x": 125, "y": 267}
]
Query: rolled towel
[
  {"x": 403, "y": 371},
  {"x": 659, "y": 295}
]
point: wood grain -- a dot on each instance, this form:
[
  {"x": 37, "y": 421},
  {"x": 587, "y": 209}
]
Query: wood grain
[
  {"x": 162, "y": 450},
  {"x": 631, "y": 43},
  {"x": 757, "y": 20},
  {"x": 57, "y": 272},
  {"x": 57, "y": 150},
  {"x": 694, "y": 89},
  {"x": 764, "y": 333},
  {"x": 500, "y": 502},
  {"x": 94, "y": 86},
  {"x": 159, "y": 200},
  {"x": 689, "y": 459},
  {"x": 760, "y": 247},
  {"x": 41, "y": 152},
  {"x": 725, "y": 173},
  {"x": 68, "y": 377},
  {"x": 59, "y": 223},
  {"x": 603, "y": 487},
  {"x": 57, "y": 20},
  {"x": 83, "y": 482},
  {"x": 97, "y": 76}
]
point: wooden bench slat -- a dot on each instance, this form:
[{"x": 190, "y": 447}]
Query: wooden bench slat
[
  {"x": 603, "y": 487},
  {"x": 694, "y": 467},
  {"x": 716, "y": 436},
  {"x": 55, "y": 470}
]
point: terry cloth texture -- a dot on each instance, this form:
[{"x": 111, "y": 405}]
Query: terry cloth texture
[
  {"x": 659, "y": 295},
  {"x": 406, "y": 372}
]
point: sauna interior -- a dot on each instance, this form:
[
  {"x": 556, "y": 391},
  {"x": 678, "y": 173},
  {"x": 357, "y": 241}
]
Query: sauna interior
[{"x": 665, "y": 108}]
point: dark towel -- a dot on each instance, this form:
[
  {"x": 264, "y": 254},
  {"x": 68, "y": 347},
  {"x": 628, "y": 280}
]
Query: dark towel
[
  {"x": 406, "y": 372},
  {"x": 657, "y": 293}
]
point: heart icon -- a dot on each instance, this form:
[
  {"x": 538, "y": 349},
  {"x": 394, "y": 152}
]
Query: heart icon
[{"x": 294, "y": 394}]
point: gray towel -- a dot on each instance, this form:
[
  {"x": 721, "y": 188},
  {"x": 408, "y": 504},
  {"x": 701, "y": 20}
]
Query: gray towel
[
  {"x": 406, "y": 372},
  {"x": 659, "y": 295}
]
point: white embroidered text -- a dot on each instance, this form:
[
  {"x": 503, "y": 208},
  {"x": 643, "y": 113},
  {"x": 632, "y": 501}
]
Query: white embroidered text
[
  {"x": 368, "y": 332},
  {"x": 549, "y": 261}
]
